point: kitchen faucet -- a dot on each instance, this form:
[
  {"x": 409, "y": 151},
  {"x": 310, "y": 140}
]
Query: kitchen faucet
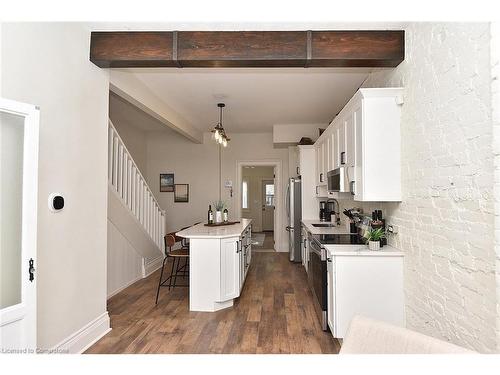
[{"x": 337, "y": 212}]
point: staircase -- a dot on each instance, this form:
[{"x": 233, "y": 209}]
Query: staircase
[{"x": 136, "y": 223}]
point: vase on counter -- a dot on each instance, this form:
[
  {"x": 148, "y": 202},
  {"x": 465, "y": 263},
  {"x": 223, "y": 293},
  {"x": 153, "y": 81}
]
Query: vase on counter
[
  {"x": 374, "y": 245},
  {"x": 218, "y": 217}
]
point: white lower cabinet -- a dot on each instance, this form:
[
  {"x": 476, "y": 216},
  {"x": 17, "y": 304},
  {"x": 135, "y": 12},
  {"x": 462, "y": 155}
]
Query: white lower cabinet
[
  {"x": 230, "y": 276},
  {"x": 364, "y": 283}
]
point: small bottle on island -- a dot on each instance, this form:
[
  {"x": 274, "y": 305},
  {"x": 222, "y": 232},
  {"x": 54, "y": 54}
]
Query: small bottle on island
[
  {"x": 224, "y": 215},
  {"x": 210, "y": 215}
]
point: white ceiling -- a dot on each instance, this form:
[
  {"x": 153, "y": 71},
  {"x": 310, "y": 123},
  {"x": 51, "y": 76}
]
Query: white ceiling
[{"x": 256, "y": 99}]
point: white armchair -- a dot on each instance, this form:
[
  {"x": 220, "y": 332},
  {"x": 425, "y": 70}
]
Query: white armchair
[{"x": 368, "y": 336}]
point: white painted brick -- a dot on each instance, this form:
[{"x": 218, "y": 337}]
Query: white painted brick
[{"x": 446, "y": 220}]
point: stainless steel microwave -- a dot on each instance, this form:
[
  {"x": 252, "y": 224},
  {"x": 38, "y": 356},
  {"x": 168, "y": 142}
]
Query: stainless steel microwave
[{"x": 336, "y": 180}]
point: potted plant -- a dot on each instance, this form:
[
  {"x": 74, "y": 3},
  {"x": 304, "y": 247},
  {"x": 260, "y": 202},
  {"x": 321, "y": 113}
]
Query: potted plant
[
  {"x": 374, "y": 236},
  {"x": 219, "y": 207}
]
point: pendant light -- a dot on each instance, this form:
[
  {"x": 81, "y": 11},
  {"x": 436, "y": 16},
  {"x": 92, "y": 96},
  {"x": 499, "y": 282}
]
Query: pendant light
[{"x": 219, "y": 132}]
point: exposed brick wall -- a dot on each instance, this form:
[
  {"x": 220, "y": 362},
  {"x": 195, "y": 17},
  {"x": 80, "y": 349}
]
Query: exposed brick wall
[
  {"x": 495, "y": 104},
  {"x": 446, "y": 219}
]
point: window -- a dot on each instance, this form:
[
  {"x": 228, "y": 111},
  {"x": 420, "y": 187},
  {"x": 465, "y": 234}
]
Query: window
[
  {"x": 244, "y": 195},
  {"x": 269, "y": 194}
]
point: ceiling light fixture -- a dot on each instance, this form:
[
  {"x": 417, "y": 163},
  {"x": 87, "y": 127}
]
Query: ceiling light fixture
[{"x": 219, "y": 133}]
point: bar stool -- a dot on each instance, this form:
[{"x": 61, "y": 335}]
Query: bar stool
[{"x": 178, "y": 254}]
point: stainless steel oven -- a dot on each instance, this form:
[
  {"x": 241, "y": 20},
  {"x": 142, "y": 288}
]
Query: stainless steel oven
[{"x": 316, "y": 275}]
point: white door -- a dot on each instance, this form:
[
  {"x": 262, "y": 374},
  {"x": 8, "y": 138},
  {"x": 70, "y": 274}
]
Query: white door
[
  {"x": 18, "y": 208},
  {"x": 268, "y": 205}
]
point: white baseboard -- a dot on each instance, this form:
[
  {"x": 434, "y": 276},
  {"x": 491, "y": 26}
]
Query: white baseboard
[
  {"x": 151, "y": 266},
  {"x": 85, "y": 337}
]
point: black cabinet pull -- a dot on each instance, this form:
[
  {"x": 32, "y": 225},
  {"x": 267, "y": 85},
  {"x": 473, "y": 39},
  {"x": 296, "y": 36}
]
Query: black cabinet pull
[
  {"x": 31, "y": 269},
  {"x": 342, "y": 157},
  {"x": 321, "y": 177},
  {"x": 298, "y": 170}
]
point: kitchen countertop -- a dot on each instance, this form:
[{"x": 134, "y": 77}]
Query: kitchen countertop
[
  {"x": 225, "y": 231},
  {"x": 317, "y": 230},
  {"x": 362, "y": 250}
]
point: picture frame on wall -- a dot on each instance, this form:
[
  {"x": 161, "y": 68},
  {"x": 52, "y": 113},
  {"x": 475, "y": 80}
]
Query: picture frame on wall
[
  {"x": 181, "y": 193},
  {"x": 167, "y": 184}
]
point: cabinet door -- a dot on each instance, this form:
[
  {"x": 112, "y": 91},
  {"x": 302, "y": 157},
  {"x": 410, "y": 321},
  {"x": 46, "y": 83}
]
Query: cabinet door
[
  {"x": 334, "y": 147},
  {"x": 318, "y": 163},
  {"x": 349, "y": 139},
  {"x": 331, "y": 293},
  {"x": 358, "y": 156},
  {"x": 341, "y": 142},
  {"x": 230, "y": 268},
  {"x": 322, "y": 176},
  {"x": 328, "y": 154}
]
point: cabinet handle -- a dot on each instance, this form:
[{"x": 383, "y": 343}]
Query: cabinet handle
[
  {"x": 317, "y": 190},
  {"x": 298, "y": 170},
  {"x": 329, "y": 260},
  {"x": 304, "y": 243},
  {"x": 321, "y": 177},
  {"x": 352, "y": 183},
  {"x": 342, "y": 157}
]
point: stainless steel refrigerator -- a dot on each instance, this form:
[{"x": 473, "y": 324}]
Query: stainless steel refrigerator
[{"x": 294, "y": 215}]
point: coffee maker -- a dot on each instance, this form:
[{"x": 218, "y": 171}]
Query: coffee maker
[{"x": 323, "y": 212}]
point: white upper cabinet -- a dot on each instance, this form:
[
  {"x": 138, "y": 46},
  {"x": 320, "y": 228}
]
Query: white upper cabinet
[{"x": 365, "y": 139}]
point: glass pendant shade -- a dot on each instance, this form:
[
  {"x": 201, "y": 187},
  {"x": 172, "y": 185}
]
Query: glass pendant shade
[{"x": 219, "y": 133}]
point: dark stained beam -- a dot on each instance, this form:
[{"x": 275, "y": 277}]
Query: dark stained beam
[
  {"x": 357, "y": 48},
  {"x": 129, "y": 49},
  {"x": 242, "y": 48},
  {"x": 247, "y": 49}
]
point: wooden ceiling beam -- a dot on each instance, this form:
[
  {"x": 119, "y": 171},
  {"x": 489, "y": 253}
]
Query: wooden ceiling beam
[{"x": 211, "y": 49}]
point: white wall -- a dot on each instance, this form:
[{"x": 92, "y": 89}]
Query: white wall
[
  {"x": 47, "y": 64},
  {"x": 254, "y": 177},
  {"x": 446, "y": 218},
  {"x": 124, "y": 264},
  {"x": 197, "y": 165}
]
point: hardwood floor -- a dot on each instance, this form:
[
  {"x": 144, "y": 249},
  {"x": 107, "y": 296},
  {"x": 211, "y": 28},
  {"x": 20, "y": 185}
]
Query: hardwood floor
[{"x": 275, "y": 314}]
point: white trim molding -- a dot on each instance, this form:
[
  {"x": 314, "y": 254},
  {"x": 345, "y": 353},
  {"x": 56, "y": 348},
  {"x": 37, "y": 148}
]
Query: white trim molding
[
  {"x": 151, "y": 265},
  {"x": 85, "y": 337}
]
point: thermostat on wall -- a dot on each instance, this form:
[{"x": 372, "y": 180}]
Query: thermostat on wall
[{"x": 56, "y": 202}]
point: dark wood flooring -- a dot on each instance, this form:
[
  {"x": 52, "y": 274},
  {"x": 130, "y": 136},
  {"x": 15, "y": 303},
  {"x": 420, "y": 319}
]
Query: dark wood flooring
[{"x": 275, "y": 314}]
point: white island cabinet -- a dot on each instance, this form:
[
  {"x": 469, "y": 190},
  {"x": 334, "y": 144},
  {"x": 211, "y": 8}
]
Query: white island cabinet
[{"x": 219, "y": 258}]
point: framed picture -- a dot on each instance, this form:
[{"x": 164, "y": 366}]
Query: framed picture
[
  {"x": 167, "y": 182},
  {"x": 181, "y": 193}
]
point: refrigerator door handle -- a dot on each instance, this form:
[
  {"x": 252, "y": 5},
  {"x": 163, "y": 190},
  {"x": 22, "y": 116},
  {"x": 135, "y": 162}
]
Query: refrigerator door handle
[{"x": 288, "y": 201}]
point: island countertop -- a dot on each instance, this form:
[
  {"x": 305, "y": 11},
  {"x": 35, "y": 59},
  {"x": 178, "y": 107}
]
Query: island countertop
[{"x": 224, "y": 231}]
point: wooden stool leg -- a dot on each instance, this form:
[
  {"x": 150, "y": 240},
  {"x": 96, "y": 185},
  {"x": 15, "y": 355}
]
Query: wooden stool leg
[
  {"x": 159, "y": 281},
  {"x": 176, "y": 272}
]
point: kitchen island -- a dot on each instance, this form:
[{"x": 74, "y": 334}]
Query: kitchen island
[{"x": 219, "y": 258}]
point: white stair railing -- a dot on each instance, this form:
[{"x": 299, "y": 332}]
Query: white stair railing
[{"x": 126, "y": 179}]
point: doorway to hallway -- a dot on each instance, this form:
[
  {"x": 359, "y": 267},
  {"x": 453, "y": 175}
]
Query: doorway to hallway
[{"x": 258, "y": 203}]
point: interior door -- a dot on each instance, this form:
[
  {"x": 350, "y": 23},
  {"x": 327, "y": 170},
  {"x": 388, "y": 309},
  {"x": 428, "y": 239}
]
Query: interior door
[
  {"x": 18, "y": 209},
  {"x": 268, "y": 205}
]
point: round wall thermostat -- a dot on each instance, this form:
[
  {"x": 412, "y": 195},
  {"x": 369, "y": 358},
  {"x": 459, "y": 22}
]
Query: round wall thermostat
[{"x": 56, "y": 202}]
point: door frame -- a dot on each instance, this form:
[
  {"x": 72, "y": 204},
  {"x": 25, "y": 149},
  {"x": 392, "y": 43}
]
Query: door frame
[
  {"x": 28, "y": 303},
  {"x": 279, "y": 245},
  {"x": 263, "y": 182}
]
